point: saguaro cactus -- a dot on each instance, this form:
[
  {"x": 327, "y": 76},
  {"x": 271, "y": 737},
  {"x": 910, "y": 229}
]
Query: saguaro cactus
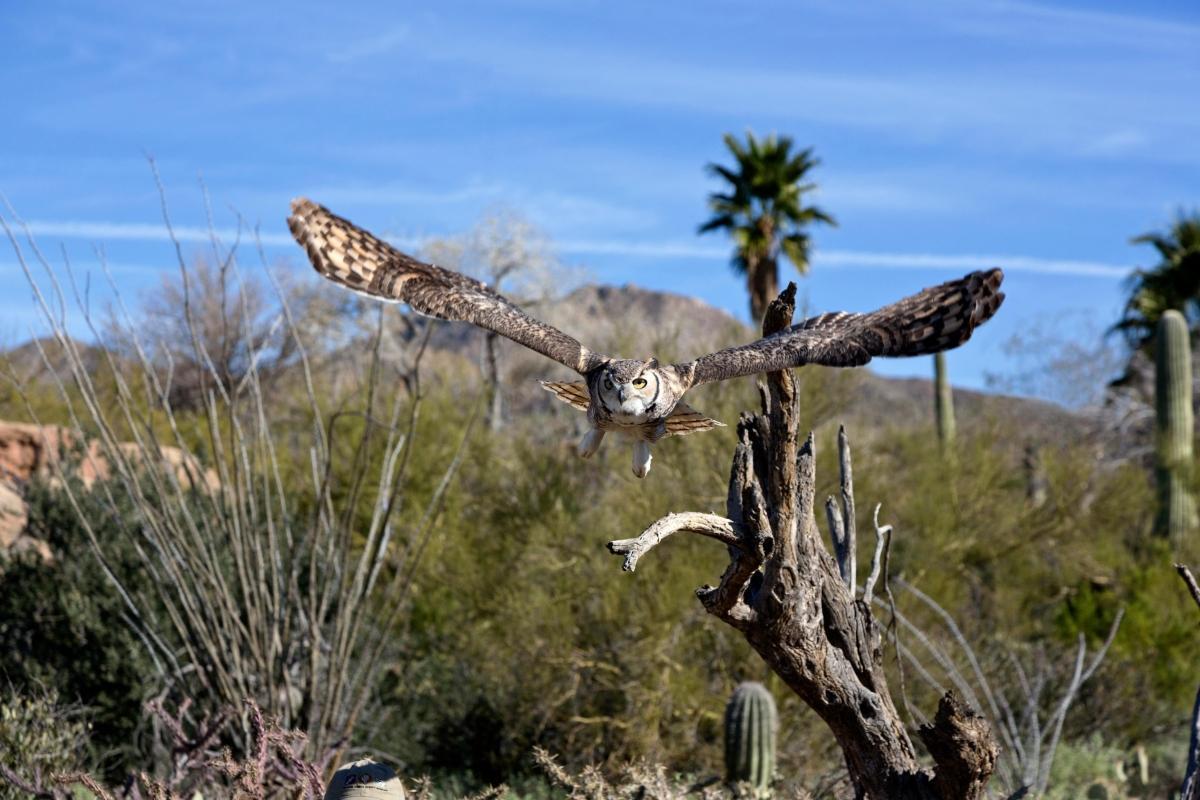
[
  {"x": 750, "y": 725},
  {"x": 943, "y": 400},
  {"x": 1174, "y": 428}
]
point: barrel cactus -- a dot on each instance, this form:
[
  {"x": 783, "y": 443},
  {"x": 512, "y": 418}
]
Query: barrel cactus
[
  {"x": 750, "y": 724},
  {"x": 1174, "y": 428}
]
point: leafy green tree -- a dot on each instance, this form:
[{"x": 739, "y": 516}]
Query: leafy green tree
[
  {"x": 763, "y": 210},
  {"x": 1174, "y": 283}
]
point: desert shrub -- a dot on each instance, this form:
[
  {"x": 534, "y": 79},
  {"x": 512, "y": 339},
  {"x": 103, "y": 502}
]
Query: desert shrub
[
  {"x": 510, "y": 625},
  {"x": 546, "y": 643},
  {"x": 61, "y": 627},
  {"x": 524, "y": 631},
  {"x": 39, "y": 736}
]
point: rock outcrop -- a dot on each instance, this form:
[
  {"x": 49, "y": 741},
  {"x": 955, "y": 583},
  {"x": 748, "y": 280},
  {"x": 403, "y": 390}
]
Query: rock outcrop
[{"x": 44, "y": 452}]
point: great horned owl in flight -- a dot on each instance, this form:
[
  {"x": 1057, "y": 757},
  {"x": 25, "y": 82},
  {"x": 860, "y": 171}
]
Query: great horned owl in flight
[{"x": 643, "y": 399}]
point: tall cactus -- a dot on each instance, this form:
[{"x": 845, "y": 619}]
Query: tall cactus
[
  {"x": 750, "y": 725},
  {"x": 1174, "y": 428},
  {"x": 943, "y": 400}
]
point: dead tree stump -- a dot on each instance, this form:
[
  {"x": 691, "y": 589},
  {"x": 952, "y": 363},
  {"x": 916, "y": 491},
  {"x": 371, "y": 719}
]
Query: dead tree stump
[{"x": 799, "y": 607}]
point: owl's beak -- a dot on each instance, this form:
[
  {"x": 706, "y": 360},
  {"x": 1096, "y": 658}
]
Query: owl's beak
[{"x": 621, "y": 394}]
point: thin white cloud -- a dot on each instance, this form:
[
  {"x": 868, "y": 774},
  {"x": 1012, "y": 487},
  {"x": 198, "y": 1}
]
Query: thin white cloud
[
  {"x": 1117, "y": 143},
  {"x": 618, "y": 247},
  {"x": 1102, "y": 27},
  {"x": 666, "y": 249},
  {"x": 397, "y": 194},
  {"x": 992, "y": 100},
  {"x": 1043, "y": 266},
  {"x": 861, "y": 258},
  {"x": 133, "y": 231},
  {"x": 369, "y": 46}
]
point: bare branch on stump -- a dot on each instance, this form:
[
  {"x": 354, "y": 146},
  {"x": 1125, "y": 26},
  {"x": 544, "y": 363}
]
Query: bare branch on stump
[
  {"x": 879, "y": 562},
  {"x": 704, "y": 524},
  {"x": 1191, "y": 778},
  {"x": 796, "y": 604}
]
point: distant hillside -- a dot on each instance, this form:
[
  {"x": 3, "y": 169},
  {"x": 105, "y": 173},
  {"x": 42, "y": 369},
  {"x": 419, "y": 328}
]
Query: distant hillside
[
  {"x": 628, "y": 320},
  {"x": 634, "y": 322},
  {"x": 26, "y": 360}
]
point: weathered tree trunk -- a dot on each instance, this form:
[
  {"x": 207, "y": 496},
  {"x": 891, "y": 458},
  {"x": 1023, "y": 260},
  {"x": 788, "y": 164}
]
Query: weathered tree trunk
[
  {"x": 491, "y": 361},
  {"x": 797, "y": 606}
]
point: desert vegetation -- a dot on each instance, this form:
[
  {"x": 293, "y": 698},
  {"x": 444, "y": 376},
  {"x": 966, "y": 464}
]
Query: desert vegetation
[{"x": 282, "y": 528}]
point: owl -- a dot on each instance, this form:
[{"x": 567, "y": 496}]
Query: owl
[{"x": 642, "y": 399}]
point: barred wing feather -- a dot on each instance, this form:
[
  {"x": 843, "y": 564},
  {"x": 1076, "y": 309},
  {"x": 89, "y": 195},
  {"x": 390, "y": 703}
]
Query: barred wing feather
[
  {"x": 936, "y": 319},
  {"x": 354, "y": 258}
]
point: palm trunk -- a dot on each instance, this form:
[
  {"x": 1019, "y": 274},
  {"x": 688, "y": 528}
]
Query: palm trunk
[{"x": 762, "y": 281}]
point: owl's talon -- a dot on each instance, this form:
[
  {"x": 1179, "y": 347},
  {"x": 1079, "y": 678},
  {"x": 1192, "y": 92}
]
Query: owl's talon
[
  {"x": 641, "y": 459},
  {"x": 590, "y": 443}
]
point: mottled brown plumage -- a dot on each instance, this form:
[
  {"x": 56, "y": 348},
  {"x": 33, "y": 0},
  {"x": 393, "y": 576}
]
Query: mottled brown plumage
[
  {"x": 935, "y": 319},
  {"x": 346, "y": 254},
  {"x": 643, "y": 399}
]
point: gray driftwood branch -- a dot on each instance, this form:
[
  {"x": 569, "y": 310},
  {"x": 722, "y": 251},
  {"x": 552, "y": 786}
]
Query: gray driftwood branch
[{"x": 797, "y": 606}]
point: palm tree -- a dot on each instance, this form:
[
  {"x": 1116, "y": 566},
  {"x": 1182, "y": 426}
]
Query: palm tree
[
  {"x": 1173, "y": 283},
  {"x": 764, "y": 212}
]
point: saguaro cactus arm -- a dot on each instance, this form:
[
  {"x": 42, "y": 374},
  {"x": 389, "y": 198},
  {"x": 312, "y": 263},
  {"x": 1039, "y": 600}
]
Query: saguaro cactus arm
[
  {"x": 943, "y": 401},
  {"x": 1174, "y": 428}
]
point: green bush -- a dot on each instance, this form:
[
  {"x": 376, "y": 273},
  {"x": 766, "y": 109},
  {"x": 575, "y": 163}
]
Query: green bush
[
  {"x": 39, "y": 737},
  {"x": 62, "y": 627}
]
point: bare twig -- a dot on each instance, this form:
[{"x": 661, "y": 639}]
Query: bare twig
[
  {"x": 1190, "y": 581},
  {"x": 1030, "y": 743},
  {"x": 1191, "y": 777},
  {"x": 711, "y": 525},
  {"x": 851, "y": 529},
  {"x": 879, "y": 562}
]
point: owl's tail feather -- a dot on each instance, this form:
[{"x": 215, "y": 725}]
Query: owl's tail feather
[
  {"x": 574, "y": 393},
  {"x": 685, "y": 419}
]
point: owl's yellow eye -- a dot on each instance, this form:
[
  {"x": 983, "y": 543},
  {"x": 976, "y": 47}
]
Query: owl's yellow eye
[
  {"x": 639, "y": 383},
  {"x": 608, "y": 384}
]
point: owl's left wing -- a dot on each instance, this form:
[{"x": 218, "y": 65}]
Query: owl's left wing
[
  {"x": 935, "y": 319},
  {"x": 346, "y": 254}
]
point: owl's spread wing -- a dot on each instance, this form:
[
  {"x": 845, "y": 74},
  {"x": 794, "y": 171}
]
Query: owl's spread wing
[
  {"x": 349, "y": 255},
  {"x": 935, "y": 319}
]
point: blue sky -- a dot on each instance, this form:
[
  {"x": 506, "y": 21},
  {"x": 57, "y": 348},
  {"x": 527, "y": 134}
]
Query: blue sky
[{"x": 1037, "y": 136}]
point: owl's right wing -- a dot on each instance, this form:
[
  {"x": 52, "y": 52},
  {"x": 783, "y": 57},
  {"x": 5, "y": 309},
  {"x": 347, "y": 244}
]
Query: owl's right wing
[
  {"x": 349, "y": 255},
  {"x": 930, "y": 321}
]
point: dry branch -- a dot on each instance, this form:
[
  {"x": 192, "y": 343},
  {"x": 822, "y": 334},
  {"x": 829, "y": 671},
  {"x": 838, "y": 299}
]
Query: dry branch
[
  {"x": 710, "y": 525},
  {"x": 796, "y": 604},
  {"x": 1191, "y": 778}
]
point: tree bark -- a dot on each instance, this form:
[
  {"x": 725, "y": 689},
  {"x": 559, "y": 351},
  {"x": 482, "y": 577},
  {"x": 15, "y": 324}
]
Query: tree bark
[
  {"x": 789, "y": 598},
  {"x": 491, "y": 361}
]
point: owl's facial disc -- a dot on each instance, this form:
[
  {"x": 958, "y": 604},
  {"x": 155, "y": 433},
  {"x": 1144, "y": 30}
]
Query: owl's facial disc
[{"x": 632, "y": 402}]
